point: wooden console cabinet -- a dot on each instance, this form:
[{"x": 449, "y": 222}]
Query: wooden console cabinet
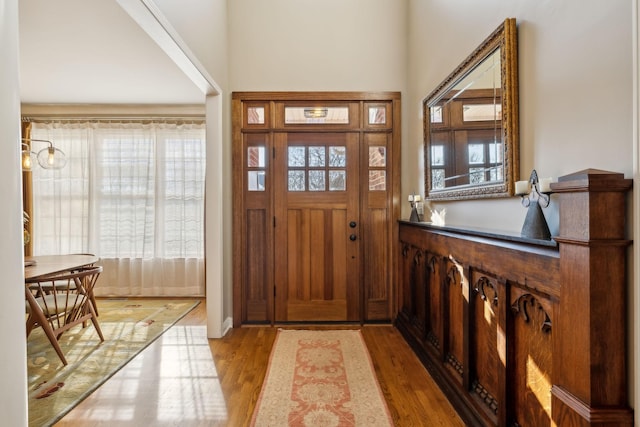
[{"x": 520, "y": 332}]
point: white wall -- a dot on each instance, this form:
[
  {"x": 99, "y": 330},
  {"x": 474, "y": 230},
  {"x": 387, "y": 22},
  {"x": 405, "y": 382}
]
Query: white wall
[
  {"x": 118, "y": 62},
  {"x": 308, "y": 45},
  {"x": 13, "y": 365},
  {"x": 202, "y": 24}
]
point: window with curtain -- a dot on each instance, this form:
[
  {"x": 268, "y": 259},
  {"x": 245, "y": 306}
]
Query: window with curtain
[{"x": 133, "y": 194}]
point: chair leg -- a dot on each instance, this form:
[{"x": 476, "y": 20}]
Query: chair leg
[
  {"x": 56, "y": 345},
  {"x": 92, "y": 299},
  {"x": 36, "y": 316},
  {"x": 93, "y": 302},
  {"x": 48, "y": 330},
  {"x": 31, "y": 322},
  {"x": 94, "y": 320}
]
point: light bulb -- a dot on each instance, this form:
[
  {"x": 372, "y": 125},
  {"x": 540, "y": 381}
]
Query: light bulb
[
  {"x": 26, "y": 161},
  {"x": 50, "y": 158}
]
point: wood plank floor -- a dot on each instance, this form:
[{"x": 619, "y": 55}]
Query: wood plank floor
[{"x": 183, "y": 379}]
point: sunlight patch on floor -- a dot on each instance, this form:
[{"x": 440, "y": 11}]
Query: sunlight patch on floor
[{"x": 172, "y": 382}]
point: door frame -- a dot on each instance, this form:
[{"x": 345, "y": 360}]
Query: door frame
[{"x": 253, "y": 281}]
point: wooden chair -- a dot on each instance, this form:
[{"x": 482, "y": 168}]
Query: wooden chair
[
  {"x": 48, "y": 288},
  {"x": 61, "y": 301}
]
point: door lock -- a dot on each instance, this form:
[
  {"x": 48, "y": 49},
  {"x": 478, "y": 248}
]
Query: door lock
[{"x": 352, "y": 224}]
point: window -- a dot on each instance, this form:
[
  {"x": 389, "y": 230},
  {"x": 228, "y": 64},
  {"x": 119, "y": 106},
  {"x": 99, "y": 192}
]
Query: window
[
  {"x": 377, "y": 171},
  {"x": 256, "y": 163},
  {"x": 129, "y": 191},
  {"x": 316, "y": 115}
]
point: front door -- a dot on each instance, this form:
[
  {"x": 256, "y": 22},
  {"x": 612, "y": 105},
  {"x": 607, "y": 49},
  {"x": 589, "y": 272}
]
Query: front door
[
  {"x": 316, "y": 199},
  {"x": 316, "y": 208}
]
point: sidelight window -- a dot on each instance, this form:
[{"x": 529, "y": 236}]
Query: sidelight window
[
  {"x": 256, "y": 163},
  {"x": 377, "y": 168}
]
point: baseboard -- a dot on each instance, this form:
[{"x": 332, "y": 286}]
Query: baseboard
[
  {"x": 464, "y": 408},
  {"x": 227, "y": 325}
]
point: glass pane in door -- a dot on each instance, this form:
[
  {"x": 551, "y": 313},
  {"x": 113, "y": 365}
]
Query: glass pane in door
[
  {"x": 337, "y": 180},
  {"x": 296, "y": 180},
  {"x": 377, "y": 180},
  {"x": 377, "y": 156},
  {"x": 297, "y": 157},
  {"x": 337, "y": 156},
  {"x": 316, "y": 180}
]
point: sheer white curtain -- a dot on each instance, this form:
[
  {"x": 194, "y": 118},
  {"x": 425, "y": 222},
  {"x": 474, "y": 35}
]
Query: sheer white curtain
[{"x": 133, "y": 194}]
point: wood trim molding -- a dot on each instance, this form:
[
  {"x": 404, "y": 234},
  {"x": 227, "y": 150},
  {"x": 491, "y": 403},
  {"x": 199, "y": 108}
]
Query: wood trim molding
[{"x": 590, "y": 415}]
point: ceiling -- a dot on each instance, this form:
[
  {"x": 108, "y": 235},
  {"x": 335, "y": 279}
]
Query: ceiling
[{"x": 92, "y": 52}]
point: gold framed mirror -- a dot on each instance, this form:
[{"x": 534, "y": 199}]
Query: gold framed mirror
[{"x": 471, "y": 124}]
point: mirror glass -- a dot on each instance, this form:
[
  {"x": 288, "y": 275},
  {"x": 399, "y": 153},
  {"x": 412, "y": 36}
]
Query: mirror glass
[{"x": 471, "y": 124}]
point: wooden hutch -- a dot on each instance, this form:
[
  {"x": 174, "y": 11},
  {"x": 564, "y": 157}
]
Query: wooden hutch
[{"x": 521, "y": 332}]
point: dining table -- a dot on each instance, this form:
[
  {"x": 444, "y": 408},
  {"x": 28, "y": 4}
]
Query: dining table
[{"x": 45, "y": 265}]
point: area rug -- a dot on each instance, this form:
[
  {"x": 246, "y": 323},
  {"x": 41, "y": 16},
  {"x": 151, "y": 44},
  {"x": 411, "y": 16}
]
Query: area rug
[
  {"x": 320, "y": 378},
  {"x": 128, "y": 327}
]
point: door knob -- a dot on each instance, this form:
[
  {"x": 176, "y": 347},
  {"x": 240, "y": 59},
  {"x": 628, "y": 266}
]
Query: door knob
[
  {"x": 352, "y": 237},
  {"x": 352, "y": 224}
]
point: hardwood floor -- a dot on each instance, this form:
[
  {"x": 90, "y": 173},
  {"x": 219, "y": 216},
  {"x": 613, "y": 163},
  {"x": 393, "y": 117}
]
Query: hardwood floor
[{"x": 183, "y": 379}]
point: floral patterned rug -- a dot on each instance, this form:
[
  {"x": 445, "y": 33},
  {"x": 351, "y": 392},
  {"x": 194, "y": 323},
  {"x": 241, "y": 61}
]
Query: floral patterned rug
[
  {"x": 128, "y": 327},
  {"x": 320, "y": 378}
]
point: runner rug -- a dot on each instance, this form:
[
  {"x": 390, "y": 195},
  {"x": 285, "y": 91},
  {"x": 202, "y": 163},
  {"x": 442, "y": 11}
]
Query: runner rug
[
  {"x": 128, "y": 327},
  {"x": 320, "y": 378}
]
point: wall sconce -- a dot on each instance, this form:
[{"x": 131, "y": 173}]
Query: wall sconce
[
  {"x": 535, "y": 195},
  {"x": 48, "y": 158}
]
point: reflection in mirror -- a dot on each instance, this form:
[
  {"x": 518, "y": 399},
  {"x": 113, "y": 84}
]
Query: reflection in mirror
[
  {"x": 481, "y": 112},
  {"x": 471, "y": 124}
]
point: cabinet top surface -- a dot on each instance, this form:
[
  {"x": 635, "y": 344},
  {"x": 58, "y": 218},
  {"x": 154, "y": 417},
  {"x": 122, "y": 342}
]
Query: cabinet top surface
[{"x": 483, "y": 232}]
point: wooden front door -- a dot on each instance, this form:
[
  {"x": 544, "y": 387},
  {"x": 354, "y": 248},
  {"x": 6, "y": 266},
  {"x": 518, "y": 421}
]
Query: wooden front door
[
  {"x": 317, "y": 275},
  {"x": 316, "y": 183}
]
